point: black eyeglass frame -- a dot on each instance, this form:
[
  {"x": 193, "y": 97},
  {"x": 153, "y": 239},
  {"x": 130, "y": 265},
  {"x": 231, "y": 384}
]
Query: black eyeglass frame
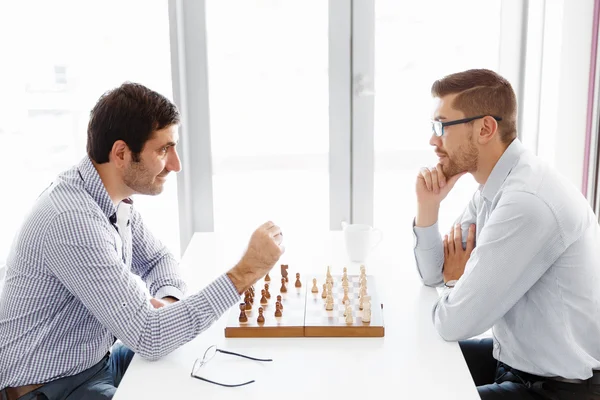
[
  {"x": 204, "y": 361},
  {"x": 442, "y": 124}
]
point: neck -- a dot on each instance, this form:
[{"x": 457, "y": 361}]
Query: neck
[
  {"x": 488, "y": 158},
  {"x": 116, "y": 189}
]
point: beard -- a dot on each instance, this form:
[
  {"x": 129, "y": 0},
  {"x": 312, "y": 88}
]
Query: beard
[
  {"x": 465, "y": 158},
  {"x": 141, "y": 181}
]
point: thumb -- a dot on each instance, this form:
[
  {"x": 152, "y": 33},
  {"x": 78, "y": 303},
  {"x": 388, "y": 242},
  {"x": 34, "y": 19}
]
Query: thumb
[
  {"x": 156, "y": 303},
  {"x": 452, "y": 181}
]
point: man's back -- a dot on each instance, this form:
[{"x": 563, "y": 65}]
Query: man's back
[{"x": 31, "y": 286}]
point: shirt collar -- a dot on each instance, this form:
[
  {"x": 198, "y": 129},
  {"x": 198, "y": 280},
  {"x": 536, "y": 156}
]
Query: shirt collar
[
  {"x": 502, "y": 168},
  {"x": 94, "y": 186}
]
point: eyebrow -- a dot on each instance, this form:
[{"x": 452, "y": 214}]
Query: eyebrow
[
  {"x": 169, "y": 144},
  {"x": 439, "y": 117}
]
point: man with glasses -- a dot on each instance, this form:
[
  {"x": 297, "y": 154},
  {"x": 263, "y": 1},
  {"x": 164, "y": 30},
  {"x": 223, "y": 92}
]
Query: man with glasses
[
  {"x": 522, "y": 259},
  {"x": 71, "y": 289}
]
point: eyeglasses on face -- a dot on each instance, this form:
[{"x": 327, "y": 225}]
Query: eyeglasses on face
[
  {"x": 209, "y": 354},
  {"x": 438, "y": 126}
]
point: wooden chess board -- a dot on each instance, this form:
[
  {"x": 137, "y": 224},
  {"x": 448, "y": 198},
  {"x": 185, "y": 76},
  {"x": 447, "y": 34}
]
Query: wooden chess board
[{"x": 304, "y": 312}]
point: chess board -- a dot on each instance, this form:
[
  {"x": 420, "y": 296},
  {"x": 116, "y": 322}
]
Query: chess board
[{"x": 304, "y": 312}]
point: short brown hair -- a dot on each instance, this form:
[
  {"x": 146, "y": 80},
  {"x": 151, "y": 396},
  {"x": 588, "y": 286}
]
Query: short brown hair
[
  {"x": 131, "y": 113},
  {"x": 482, "y": 92}
]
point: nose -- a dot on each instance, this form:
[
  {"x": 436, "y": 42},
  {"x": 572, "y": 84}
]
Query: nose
[
  {"x": 435, "y": 140},
  {"x": 174, "y": 163}
]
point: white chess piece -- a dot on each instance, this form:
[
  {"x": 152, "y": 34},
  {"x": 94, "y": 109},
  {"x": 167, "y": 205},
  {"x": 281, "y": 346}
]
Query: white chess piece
[
  {"x": 366, "y": 312},
  {"x": 349, "y": 318},
  {"x": 329, "y": 302}
]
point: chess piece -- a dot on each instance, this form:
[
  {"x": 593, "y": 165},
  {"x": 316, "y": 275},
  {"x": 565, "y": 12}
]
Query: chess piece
[
  {"x": 345, "y": 295},
  {"x": 263, "y": 299},
  {"x": 345, "y": 271},
  {"x": 283, "y": 288},
  {"x": 279, "y": 301},
  {"x": 349, "y": 318},
  {"x": 247, "y": 302},
  {"x": 267, "y": 278},
  {"x": 324, "y": 293},
  {"x": 243, "y": 316},
  {"x": 298, "y": 283},
  {"x": 284, "y": 272},
  {"x": 278, "y": 309},
  {"x": 366, "y": 312},
  {"x": 267, "y": 294},
  {"x": 261, "y": 317},
  {"x": 329, "y": 302},
  {"x": 315, "y": 289}
]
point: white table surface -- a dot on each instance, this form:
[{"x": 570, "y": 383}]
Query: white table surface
[{"x": 411, "y": 362}]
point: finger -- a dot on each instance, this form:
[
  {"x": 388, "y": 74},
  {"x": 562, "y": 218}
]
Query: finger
[
  {"x": 440, "y": 175},
  {"x": 457, "y": 238},
  {"x": 434, "y": 181},
  {"x": 278, "y": 239},
  {"x": 446, "y": 245},
  {"x": 274, "y": 231},
  {"x": 471, "y": 239},
  {"x": 451, "y": 241},
  {"x": 427, "y": 177},
  {"x": 156, "y": 303},
  {"x": 267, "y": 225}
]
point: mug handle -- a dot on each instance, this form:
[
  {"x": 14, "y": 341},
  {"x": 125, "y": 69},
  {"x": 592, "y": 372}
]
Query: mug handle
[{"x": 379, "y": 234}]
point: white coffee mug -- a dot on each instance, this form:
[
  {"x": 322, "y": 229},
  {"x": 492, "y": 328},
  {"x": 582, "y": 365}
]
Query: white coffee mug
[{"x": 360, "y": 240}]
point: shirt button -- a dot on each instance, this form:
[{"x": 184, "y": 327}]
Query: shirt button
[{"x": 496, "y": 345}]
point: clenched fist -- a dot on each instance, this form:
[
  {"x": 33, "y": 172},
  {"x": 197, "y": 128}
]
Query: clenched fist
[{"x": 264, "y": 250}]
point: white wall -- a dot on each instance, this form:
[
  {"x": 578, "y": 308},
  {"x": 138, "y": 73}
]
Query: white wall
[{"x": 564, "y": 85}]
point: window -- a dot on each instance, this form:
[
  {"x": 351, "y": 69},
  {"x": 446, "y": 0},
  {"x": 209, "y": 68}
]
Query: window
[
  {"x": 60, "y": 66},
  {"x": 269, "y": 113},
  {"x": 451, "y": 39}
]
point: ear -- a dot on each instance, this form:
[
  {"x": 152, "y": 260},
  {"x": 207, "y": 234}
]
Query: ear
[
  {"x": 120, "y": 153},
  {"x": 487, "y": 129}
]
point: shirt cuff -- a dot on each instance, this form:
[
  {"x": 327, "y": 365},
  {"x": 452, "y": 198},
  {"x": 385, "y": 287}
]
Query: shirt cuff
[
  {"x": 426, "y": 237},
  {"x": 171, "y": 291},
  {"x": 221, "y": 294}
]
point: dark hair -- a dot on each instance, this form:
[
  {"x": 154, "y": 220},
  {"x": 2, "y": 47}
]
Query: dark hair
[
  {"x": 131, "y": 113},
  {"x": 482, "y": 92}
]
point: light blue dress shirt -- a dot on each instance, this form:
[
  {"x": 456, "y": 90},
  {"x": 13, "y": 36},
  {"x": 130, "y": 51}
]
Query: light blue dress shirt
[{"x": 534, "y": 275}]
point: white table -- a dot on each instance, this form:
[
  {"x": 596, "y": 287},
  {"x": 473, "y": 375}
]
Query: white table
[{"x": 411, "y": 361}]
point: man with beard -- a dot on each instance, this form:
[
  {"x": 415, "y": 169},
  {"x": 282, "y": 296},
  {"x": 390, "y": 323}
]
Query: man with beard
[
  {"x": 522, "y": 259},
  {"x": 70, "y": 288}
]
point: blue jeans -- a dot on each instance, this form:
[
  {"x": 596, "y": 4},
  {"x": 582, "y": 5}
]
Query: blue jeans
[
  {"x": 496, "y": 380},
  {"x": 99, "y": 382}
]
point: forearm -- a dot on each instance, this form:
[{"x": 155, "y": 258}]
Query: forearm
[
  {"x": 162, "y": 277},
  {"x": 167, "y": 328},
  {"x": 429, "y": 254}
]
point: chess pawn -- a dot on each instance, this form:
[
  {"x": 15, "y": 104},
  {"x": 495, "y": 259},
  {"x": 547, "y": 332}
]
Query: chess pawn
[
  {"x": 261, "y": 317},
  {"x": 324, "y": 293},
  {"x": 278, "y": 309},
  {"x": 366, "y": 312},
  {"x": 267, "y": 278},
  {"x": 315, "y": 289},
  {"x": 243, "y": 316},
  {"x": 263, "y": 299},
  {"x": 283, "y": 288},
  {"x": 267, "y": 294},
  {"x": 279, "y": 301},
  {"x": 329, "y": 302},
  {"x": 298, "y": 283},
  {"x": 345, "y": 298}
]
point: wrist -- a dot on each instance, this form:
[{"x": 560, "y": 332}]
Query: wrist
[
  {"x": 240, "y": 276},
  {"x": 427, "y": 214}
]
